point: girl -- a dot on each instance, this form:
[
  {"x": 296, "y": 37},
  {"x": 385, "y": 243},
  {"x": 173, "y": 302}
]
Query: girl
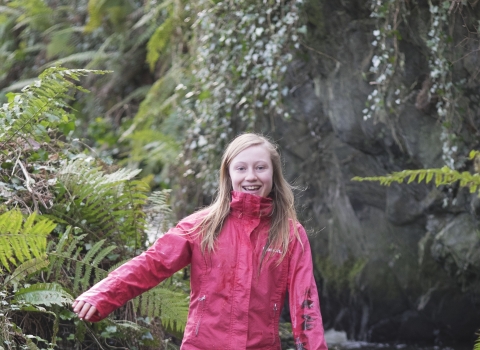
[{"x": 246, "y": 251}]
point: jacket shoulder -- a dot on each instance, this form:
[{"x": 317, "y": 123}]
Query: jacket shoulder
[
  {"x": 299, "y": 239},
  {"x": 188, "y": 223}
]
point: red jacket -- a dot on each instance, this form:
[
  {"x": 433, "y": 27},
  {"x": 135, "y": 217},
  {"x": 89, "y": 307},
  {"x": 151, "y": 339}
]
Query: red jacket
[{"x": 232, "y": 304}]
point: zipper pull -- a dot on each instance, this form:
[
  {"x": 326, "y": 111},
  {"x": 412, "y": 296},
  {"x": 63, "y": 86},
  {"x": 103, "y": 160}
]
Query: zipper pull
[
  {"x": 200, "y": 310},
  {"x": 275, "y": 310}
]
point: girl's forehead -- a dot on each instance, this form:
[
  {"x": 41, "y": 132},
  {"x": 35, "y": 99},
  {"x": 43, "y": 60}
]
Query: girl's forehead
[{"x": 255, "y": 151}]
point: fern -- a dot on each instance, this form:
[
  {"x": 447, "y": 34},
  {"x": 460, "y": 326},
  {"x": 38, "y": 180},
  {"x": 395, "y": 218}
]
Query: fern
[
  {"x": 40, "y": 106},
  {"x": 159, "y": 212},
  {"x": 477, "y": 343},
  {"x": 171, "y": 306},
  {"x": 102, "y": 204},
  {"x": 47, "y": 294},
  {"x": 158, "y": 41},
  {"x": 95, "y": 14},
  {"x": 91, "y": 260},
  {"x": 442, "y": 176},
  {"x": 36, "y": 13},
  {"x": 61, "y": 42},
  {"x": 19, "y": 240},
  {"x": 67, "y": 258},
  {"x": 27, "y": 268}
]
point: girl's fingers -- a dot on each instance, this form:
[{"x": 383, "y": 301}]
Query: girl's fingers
[
  {"x": 92, "y": 311},
  {"x": 84, "y": 311},
  {"x": 77, "y": 306}
]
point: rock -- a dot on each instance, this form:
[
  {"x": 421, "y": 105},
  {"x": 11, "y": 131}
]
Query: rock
[
  {"x": 333, "y": 337},
  {"x": 398, "y": 263}
]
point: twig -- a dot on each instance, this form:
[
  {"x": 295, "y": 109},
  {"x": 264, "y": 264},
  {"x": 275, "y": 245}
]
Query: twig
[
  {"x": 27, "y": 177},
  {"x": 320, "y": 53}
]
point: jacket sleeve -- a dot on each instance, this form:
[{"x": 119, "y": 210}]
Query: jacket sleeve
[
  {"x": 305, "y": 313},
  {"x": 168, "y": 254}
]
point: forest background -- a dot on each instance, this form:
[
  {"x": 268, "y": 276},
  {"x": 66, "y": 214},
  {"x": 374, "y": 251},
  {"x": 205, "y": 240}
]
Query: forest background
[{"x": 115, "y": 114}]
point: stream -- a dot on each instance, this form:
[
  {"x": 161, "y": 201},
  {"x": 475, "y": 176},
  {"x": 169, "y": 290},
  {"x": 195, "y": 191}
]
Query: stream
[{"x": 338, "y": 341}]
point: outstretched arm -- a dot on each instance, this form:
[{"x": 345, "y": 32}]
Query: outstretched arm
[{"x": 168, "y": 254}]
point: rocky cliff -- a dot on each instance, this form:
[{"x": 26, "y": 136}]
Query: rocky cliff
[{"x": 398, "y": 263}]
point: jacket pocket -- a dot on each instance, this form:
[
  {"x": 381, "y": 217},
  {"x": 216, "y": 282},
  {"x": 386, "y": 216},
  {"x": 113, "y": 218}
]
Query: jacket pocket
[{"x": 200, "y": 311}]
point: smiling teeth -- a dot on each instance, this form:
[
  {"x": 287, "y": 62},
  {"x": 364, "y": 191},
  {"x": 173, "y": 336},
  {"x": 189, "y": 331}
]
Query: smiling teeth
[{"x": 252, "y": 188}]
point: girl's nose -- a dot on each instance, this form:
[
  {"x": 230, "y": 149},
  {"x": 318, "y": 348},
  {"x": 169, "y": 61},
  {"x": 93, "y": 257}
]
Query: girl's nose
[{"x": 251, "y": 176}]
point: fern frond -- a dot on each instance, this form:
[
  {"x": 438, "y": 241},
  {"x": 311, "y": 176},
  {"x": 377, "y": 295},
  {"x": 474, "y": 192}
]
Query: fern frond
[
  {"x": 20, "y": 241},
  {"x": 170, "y": 306},
  {"x": 61, "y": 42},
  {"x": 153, "y": 146},
  {"x": 25, "y": 269},
  {"x": 158, "y": 41},
  {"x": 159, "y": 202},
  {"x": 477, "y": 342},
  {"x": 36, "y": 13},
  {"x": 67, "y": 257},
  {"x": 95, "y": 14},
  {"x": 442, "y": 176},
  {"x": 41, "y": 105},
  {"x": 47, "y": 294},
  {"x": 108, "y": 204},
  {"x": 151, "y": 13},
  {"x": 91, "y": 261},
  {"x": 159, "y": 212}
]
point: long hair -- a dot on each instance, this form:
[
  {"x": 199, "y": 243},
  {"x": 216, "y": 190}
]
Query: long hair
[{"x": 283, "y": 214}]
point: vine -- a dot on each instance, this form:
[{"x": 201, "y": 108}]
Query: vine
[
  {"x": 438, "y": 89},
  {"x": 241, "y": 55},
  {"x": 386, "y": 61},
  {"x": 442, "y": 85}
]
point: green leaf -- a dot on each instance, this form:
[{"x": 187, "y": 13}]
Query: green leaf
[
  {"x": 421, "y": 176},
  {"x": 412, "y": 178},
  {"x": 25, "y": 269},
  {"x": 158, "y": 42},
  {"x": 44, "y": 294},
  {"x": 429, "y": 176}
]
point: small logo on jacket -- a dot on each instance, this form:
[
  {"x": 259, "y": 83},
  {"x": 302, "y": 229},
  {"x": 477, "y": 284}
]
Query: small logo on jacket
[{"x": 272, "y": 250}]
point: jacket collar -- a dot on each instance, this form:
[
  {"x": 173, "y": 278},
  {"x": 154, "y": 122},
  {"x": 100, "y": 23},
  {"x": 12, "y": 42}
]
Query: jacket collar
[{"x": 249, "y": 205}]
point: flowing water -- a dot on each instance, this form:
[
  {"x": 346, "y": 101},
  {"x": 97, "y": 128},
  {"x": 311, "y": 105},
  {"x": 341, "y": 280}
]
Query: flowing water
[
  {"x": 338, "y": 341},
  {"x": 370, "y": 346}
]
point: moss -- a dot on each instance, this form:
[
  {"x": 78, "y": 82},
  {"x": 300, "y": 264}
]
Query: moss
[
  {"x": 340, "y": 278},
  {"x": 314, "y": 19}
]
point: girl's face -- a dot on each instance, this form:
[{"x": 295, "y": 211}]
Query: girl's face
[{"x": 251, "y": 171}]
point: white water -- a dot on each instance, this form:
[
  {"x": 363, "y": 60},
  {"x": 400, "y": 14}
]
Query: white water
[{"x": 338, "y": 341}]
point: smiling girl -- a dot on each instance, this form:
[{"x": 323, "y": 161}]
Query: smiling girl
[{"x": 246, "y": 251}]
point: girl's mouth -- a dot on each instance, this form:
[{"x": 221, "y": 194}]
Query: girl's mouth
[{"x": 251, "y": 188}]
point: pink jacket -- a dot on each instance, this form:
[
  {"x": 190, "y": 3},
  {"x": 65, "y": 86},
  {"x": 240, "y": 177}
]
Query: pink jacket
[{"x": 232, "y": 304}]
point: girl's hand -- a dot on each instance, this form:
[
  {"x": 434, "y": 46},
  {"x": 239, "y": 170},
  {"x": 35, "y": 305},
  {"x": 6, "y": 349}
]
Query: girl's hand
[{"x": 84, "y": 310}]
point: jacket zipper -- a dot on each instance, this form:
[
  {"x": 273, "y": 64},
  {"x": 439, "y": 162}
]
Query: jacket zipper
[
  {"x": 275, "y": 309},
  {"x": 200, "y": 308}
]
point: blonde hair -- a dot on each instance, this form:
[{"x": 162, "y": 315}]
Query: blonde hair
[{"x": 283, "y": 214}]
